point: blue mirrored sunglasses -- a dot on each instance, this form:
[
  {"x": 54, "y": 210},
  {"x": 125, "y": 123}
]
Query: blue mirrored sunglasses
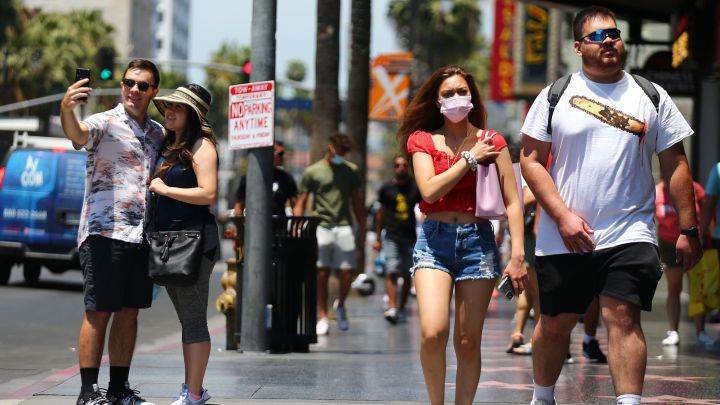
[{"x": 600, "y": 35}]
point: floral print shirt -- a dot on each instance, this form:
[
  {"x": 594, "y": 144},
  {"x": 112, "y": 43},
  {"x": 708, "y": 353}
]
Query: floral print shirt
[{"x": 121, "y": 157}]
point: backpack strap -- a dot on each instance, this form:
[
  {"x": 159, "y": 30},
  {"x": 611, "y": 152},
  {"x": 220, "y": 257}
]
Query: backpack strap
[
  {"x": 556, "y": 90},
  {"x": 649, "y": 89}
]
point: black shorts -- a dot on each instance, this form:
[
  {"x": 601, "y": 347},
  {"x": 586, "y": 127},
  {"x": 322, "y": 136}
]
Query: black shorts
[
  {"x": 115, "y": 274},
  {"x": 569, "y": 282}
]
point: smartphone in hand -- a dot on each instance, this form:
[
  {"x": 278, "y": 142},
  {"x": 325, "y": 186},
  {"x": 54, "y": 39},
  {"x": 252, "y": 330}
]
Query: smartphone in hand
[
  {"x": 505, "y": 287},
  {"x": 82, "y": 73}
]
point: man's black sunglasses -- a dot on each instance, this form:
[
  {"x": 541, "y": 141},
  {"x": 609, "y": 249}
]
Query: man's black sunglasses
[
  {"x": 142, "y": 86},
  {"x": 600, "y": 35}
]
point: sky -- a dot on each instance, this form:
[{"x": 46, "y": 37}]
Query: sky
[{"x": 295, "y": 36}]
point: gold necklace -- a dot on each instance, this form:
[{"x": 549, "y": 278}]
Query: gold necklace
[{"x": 458, "y": 150}]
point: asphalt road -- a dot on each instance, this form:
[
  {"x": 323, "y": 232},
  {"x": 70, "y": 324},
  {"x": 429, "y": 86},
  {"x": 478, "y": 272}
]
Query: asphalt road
[{"x": 39, "y": 324}]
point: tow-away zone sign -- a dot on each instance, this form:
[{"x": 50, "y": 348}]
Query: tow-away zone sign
[{"x": 251, "y": 115}]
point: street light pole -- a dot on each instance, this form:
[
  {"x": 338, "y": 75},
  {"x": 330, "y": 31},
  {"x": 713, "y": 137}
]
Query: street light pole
[{"x": 255, "y": 317}]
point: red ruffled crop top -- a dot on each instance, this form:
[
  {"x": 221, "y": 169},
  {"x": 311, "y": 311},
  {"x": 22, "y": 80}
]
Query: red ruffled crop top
[{"x": 462, "y": 196}]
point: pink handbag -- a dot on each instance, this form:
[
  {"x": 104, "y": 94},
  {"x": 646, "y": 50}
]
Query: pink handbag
[{"x": 489, "y": 202}]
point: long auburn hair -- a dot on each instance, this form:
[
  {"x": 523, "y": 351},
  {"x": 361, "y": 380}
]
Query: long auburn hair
[
  {"x": 180, "y": 152},
  {"x": 423, "y": 112}
]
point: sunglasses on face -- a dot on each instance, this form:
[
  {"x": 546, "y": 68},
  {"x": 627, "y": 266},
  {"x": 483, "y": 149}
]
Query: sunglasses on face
[
  {"x": 462, "y": 91},
  {"x": 280, "y": 153},
  {"x": 400, "y": 165},
  {"x": 130, "y": 83},
  {"x": 600, "y": 35}
]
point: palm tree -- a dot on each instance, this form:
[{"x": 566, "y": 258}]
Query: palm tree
[
  {"x": 437, "y": 37},
  {"x": 358, "y": 92},
  {"x": 326, "y": 102},
  {"x": 359, "y": 81}
]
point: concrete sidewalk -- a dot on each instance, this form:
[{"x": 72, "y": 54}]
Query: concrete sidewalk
[{"x": 377, "y": 363}]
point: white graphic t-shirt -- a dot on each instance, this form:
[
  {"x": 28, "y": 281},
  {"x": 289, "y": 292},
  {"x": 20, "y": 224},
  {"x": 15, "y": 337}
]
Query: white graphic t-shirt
[{"x": 603, "y": 138}]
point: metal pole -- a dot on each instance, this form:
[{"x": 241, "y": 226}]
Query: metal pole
[{"x": 258, "y": 221}]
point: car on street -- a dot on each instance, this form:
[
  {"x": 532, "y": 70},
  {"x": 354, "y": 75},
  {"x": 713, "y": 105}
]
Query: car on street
[{"x": 42, "y": 183}]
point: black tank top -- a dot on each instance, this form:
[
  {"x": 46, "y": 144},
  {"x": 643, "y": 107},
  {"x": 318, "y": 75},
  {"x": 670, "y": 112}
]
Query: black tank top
[{"x": 174, "y": 215}]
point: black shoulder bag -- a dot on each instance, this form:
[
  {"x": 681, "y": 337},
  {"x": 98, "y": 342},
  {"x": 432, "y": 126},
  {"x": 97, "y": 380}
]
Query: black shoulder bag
[{"x": 175, "y": 256}]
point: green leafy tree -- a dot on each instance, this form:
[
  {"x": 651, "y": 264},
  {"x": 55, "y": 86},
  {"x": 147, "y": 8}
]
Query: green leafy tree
[
  {"x": 46, "y": 49},
  {"x": 296, "y": 72},
  {"x": 10, "y": 20},
  {"x": 218, "y": 81},
  {"x": 439, "y": 38},
  {"x": 44, "y": 57}
]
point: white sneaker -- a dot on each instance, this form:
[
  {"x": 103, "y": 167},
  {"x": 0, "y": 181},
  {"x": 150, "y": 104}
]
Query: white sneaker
[
  {"x": 391, "y": 315},
  {"x": 184, "y": 397},
  {"x": 322, "y": 327},
  {"x": 386, "y": 302},
  {"x": 703, "y": 339},
  {"x": 672, "y": 339},
  {"x": 341, "y": 315}
]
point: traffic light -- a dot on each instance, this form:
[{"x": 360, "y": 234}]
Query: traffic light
[
  {"x": 247, "y": 69},
  {"x": 106, "y": 62}
]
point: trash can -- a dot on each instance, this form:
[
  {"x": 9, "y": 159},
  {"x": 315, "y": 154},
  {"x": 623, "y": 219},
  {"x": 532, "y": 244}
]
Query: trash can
[
  {"x": 292, "y": 284},
  {"x": 293, "y": 291}
]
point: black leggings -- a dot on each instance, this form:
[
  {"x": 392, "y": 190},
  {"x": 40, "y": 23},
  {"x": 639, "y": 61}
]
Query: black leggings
[{"x": 191, "y": 304}]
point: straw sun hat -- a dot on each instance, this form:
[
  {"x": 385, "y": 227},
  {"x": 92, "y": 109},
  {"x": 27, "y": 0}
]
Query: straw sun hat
[{"x": 185, "y": 96}]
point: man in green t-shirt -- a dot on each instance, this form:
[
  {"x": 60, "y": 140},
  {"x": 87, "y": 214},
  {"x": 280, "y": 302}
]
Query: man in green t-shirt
[{"x": 335, "y": 185}]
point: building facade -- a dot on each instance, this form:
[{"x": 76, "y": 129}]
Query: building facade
[
  {"x": 132, "y": 19},
  {"x": 172, "y": 34}
]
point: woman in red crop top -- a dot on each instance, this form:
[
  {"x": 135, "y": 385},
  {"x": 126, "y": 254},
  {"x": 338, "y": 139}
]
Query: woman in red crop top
[{"x": 443, "y": 132}]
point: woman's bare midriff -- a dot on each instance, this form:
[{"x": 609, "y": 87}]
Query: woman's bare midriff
[{"x": 454, "y": 217}]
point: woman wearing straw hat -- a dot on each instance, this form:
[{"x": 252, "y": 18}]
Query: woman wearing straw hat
[{"x": 186, "y": 185}]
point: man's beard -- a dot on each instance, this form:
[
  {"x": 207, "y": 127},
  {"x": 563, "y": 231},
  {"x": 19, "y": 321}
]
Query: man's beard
[{"x": 593, "y": 61}]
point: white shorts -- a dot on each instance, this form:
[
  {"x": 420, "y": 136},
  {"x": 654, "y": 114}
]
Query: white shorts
[{"x": 336, "y": 247}]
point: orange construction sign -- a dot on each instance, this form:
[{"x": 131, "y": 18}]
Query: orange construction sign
[{"x": 390, "y": 75}]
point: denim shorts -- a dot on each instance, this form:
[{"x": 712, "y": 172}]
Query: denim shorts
[{"x": 464, "y": 251}]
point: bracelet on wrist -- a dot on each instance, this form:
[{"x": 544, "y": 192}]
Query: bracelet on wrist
[{"x": 472, "y": 162}]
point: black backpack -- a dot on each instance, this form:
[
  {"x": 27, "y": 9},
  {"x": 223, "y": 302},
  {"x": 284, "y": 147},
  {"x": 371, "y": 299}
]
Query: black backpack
[{"x": 558, "y": 88}]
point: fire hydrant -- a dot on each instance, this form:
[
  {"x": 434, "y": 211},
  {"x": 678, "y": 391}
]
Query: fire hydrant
[{"x": 227, "y": 300}]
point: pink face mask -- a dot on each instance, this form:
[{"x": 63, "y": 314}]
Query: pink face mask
[{"x": 456, "y": 108}]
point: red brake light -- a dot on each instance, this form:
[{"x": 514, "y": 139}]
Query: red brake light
[
  {"x": 2, "y": 176},
  {"x": 58, "y": 150}
]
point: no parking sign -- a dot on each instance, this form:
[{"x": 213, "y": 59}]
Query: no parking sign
[{"x": 251, "y": 117}]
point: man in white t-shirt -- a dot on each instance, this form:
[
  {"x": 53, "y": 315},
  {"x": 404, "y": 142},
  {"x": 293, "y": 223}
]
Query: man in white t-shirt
[{"x": 596, "y": 234}]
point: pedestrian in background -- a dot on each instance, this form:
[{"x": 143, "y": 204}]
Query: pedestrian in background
[
  {"x": 284, "y": 189},
  {"x": 596, "y": 234},
  {"x": 529, "y": 300},
  {"x": 122, "y": 145},
  {"x": 443, "y": 131},
  {"x": 668, "y": 233},
  {"x": 396, "y": 216},
  {"x": 186, "y": 185},
  {"x": 335, "y": 185}
]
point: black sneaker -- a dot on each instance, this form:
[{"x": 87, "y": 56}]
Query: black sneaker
[
  {"x": 593, "y": 353},
  {"x": 127, "y": 397},
  {"x": 94, "y": 397}
]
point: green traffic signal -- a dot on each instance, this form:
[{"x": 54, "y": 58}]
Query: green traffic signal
[{"x": 105, "y": 60}]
